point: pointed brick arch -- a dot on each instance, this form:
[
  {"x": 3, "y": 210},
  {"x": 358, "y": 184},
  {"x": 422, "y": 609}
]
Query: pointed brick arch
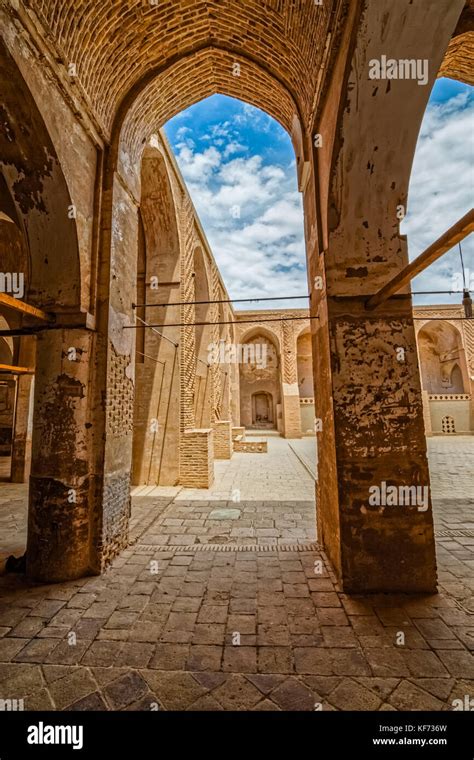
[
  {"x": 305, "y": 65},
  {"x": 163, "y": 94},
  {"x": 116, "y": 44}
]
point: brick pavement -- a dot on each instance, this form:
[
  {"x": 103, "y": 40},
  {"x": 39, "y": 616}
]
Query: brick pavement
[{"x": 222, "y": 626}]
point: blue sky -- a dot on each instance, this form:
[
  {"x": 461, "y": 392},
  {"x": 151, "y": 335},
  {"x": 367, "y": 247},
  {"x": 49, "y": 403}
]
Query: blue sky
[{"x": 239, "y": 166}]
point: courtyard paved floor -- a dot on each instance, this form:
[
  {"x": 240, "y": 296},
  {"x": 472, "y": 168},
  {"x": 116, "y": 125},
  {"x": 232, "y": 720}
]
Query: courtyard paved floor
[{"x": 216, "y": 606}]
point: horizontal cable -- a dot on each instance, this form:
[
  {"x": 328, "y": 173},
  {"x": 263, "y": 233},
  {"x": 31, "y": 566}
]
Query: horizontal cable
[
  {"x": 204, "y": 324},
  {"x": 225, "y": 300},
  {"x": 436, "y": 292},
  {"x": 440, "y": 319},
  {"x": 273, "y": 298}
]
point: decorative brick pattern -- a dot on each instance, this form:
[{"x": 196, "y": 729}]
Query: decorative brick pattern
[
  {"x": 188, "y": 337},
  {"x": 290, "y": 374},
  {"x": 116, "y": 515},
  {"x": 120, "y": 395}
]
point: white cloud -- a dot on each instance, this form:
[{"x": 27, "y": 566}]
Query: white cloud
[
  {"x": 260, "y": 251},
  {"x": 198, "y": 166},
  {"x": 441, "y": 191}
]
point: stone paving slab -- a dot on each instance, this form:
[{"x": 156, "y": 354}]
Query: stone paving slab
[
  {"x": 232, "y": 627},
  {"x": 230, "y": 631},
  {"x": 13, "y": 519}
]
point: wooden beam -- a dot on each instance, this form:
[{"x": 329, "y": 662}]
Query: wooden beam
[
  {"x": 16, "y": 305},
  {"x": 8, "y": 369},
  {"x": 454, "y": 235}
]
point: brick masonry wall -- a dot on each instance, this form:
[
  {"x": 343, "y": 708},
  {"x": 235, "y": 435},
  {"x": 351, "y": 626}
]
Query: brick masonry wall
[
  {"x": 197, "y": 459},
  {"x": 222, "y": 439},
  {"x": 138, "y": 37}
]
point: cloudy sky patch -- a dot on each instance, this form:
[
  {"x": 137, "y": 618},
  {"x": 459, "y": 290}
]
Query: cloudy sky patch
[{"x": 239, "y": 166}]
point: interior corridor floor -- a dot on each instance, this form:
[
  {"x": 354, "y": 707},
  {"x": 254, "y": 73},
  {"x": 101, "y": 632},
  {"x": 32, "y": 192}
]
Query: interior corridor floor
[{"x": 223, "y": 601}]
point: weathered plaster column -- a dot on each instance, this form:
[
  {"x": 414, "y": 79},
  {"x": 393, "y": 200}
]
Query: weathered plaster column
[
  {"x": 367, "y": 381},
  {"x": 63, "y": 484},
  {"x": 290, "y": 388}
]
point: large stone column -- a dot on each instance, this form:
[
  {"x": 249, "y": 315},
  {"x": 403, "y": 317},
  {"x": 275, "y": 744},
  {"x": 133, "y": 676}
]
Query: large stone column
[
  {"x": 367, "y": 382},
  {"x": 372, "y": 438},
  {"x": 63, "y": 484}
]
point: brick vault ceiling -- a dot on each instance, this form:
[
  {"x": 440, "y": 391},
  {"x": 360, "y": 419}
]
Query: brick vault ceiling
[{"x": 115, "y": 43}]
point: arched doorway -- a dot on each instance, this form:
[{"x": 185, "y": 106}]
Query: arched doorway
[
  {"x": 444, "y": 377},
  {"x": 260, "y": 381},
  {"x": 263, "y": 411},
  {"x": 161, "y": 89}
]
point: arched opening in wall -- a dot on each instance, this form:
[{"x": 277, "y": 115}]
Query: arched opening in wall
[
  {"x": 17, "y": 362},
  {"x": 15, "y": 275},
  {"x": 263, "y": 411},
  {"x": 442, "y": 332},
  {"x": 444, "y": 374},
  {"x": 42, "y": 380},
  {"x": 260, "y": 381},
  {"x": 457, "y": 380},
  {"x": 243, "y": 178},
  {"x": 261, "y": 196},
  {"x": 157, "y": 388},
  {"x": 442, "y": 353},
  {"x": 266, "y": 264}
]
